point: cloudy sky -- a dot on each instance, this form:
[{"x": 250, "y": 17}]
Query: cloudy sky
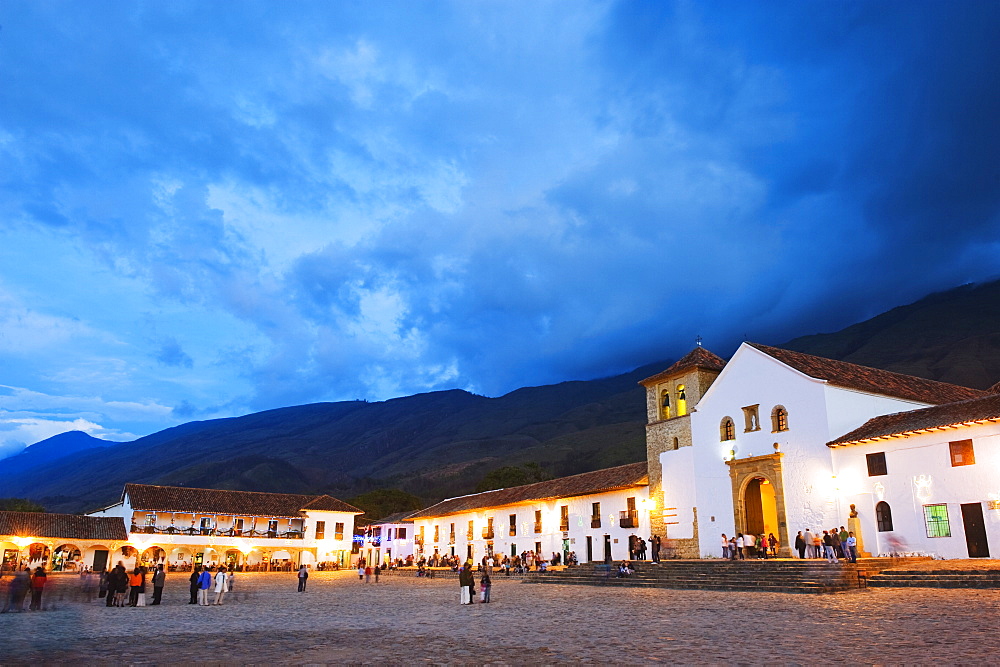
[{"x": 213, "y": 208}]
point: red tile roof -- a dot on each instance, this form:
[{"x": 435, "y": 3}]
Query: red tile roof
[
  {"x": 699, "y": 357},
  {"x": 977, "y": 410},
  {"x": 62, "y": 526},
  {"x": 609, "y": 479},
  {"x": 146, "y": 497},
  {"x": 871, "y": 380}
]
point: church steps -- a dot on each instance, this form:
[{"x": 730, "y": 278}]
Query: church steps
[
  {"x": 986, "y": 579},
  {"x": 787, "y": 576}
]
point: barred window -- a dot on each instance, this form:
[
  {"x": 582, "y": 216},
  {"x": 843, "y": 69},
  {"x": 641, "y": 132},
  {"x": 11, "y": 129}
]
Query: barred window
[{"x": 936, "y": 520}]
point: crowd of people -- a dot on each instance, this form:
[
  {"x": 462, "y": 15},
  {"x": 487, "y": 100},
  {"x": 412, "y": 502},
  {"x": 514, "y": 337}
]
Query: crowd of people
[
  {"x": 833, "y": 545},
  {"x": 743, "y": 546},
  {"x": 25, "y": 581}
]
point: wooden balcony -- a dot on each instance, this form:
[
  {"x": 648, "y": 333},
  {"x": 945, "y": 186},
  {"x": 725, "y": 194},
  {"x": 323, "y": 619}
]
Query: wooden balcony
[
  {"x": 628, "y": 519},
  {"x": 595, "y": 522}
]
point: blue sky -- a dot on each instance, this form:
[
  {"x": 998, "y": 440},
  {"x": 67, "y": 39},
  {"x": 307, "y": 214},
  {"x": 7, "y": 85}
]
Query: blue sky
[{"x": 213, "y": 208}]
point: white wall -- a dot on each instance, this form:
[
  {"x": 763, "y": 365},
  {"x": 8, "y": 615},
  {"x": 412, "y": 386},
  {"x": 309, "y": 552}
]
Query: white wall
[
  {"x": 817, "y": 413},
  {"x": 916, "y": 458},
  {"x": 551, "y": 537}
]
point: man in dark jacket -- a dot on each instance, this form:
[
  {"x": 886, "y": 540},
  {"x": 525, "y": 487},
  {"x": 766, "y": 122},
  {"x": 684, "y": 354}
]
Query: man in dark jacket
[
  {"x": 159, "y": 578},
  {"x": 466, "y": 583},
  {"x": 195, "y": 574}
]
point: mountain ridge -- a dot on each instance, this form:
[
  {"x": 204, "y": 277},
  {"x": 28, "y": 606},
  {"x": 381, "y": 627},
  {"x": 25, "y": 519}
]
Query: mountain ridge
[{"x": 441, "y": 444}]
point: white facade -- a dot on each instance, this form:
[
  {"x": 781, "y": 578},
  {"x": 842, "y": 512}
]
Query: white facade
[
  {"x": 545, "y": 536},
  {"x": 187, "y": 537},
  {"x": 920, "y": 474},
  {"x": 385, "y": 542},
  {"x": 817, "y": 412}
]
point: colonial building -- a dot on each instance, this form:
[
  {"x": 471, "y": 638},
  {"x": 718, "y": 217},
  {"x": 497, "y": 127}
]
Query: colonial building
[
  {"x": 390, "y": 538},
  {"x": 927, "y": 480},
  {"x": 59, "y": 542},
  {"x": 592, "y": 514},
  {"x": 759, "y": 461},
  {"x": 183, "y": 526}
]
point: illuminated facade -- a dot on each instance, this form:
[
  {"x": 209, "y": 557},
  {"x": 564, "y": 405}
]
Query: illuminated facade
[
  {"x": 928, "y": 480},
  {"x": 758, "y": 460},
  {"x": 183, "y": 526},
  {"x": 59, "y": 542},
  {"x": 592, "y": 514}
]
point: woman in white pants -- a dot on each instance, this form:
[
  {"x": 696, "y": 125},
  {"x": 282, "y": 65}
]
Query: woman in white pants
[{"x": 220, "y": 584}]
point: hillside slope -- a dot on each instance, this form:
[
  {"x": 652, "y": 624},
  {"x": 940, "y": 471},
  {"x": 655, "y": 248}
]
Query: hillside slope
[
  {"x": 951, "y": 336},
  {"x": 432, "y": 445}
]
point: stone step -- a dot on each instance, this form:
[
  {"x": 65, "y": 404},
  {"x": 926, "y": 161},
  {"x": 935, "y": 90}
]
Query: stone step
[{"x": 934, "y": 583}]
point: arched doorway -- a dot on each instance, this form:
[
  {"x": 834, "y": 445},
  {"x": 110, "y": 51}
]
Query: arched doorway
[
  {"x": 153, "y": 556},
  {"x": 760, "y": 507},
  {"x": 67, "y": 557},
  {"x": 234, "y": 559},
  {"x": 38, "y": 555}
]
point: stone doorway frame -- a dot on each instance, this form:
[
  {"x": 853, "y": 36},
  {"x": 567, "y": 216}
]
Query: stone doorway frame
[{"x": 741, "y": 473}]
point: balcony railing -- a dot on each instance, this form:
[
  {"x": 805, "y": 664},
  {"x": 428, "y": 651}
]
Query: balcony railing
[
  {"x": 419, "y": 541},
  {"x": 469, "y": 534},
  {"x": 338, "y": 536},
  {"x": 564, "y": 526},
  {"x": 513, "y": 531},
  {"x": 451, "y": 538},
  {"x": 538, "y": 526},
  {"x": 214, "y": 532},
  {"x": 628, "y": 519},
  {"x": 487, "y": 533},
  {"x": 595, "y": 522}
]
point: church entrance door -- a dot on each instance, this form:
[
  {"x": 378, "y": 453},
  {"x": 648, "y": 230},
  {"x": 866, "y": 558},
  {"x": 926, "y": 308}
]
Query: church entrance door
[{"x": 761, "y": 512}]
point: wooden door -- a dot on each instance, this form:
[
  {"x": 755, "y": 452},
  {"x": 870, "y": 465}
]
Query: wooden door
[{"x": 975, "y": 530}]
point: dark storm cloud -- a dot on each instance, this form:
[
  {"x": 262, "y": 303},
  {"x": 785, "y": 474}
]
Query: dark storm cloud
[{"x": 248, "y": 207}]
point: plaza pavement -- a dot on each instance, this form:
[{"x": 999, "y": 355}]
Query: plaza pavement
[{"x": 408, "y": 620}]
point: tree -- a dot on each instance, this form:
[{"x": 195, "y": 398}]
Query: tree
[
  {"x": 509, "y": 476},
  {"x": 19, "y": 505},
  {"x": 383, "y": 502}
]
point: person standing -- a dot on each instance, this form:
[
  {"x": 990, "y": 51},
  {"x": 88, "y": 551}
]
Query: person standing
[
  {"x": 740, "y": 546},
  {"x": 466, "y": 583},
  {"x": 135, "y": 585},
  {"x": 193, "y": 579},
  {"x": 37, "y": 586},
  {"x": 159, "y": 578},
  {"x": 725, "y": 546},
  {"x": 817, "y": 545},
  {"x": 378, "y": 570},
  {"x": 19, "y": 587},
  {"x": 368, "y": 574},
  {"x": 486, "y": 583},
  {"x": 303, "y": 575},
  {"x": 204, "y": 583},
  {"x": 851, "y": 545},
  {"x": 121, "y": 585},
  {"x": 772, "y": 545},
  {"x": 838, "y": 549},
  {"x": 831, "y": 555},
  {"x": 220, "y": 585},
  {"x": 800, "y": 545}
]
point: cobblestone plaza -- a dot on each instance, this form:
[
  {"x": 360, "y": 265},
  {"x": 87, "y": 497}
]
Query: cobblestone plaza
[{"x": 404, "y": 619}]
